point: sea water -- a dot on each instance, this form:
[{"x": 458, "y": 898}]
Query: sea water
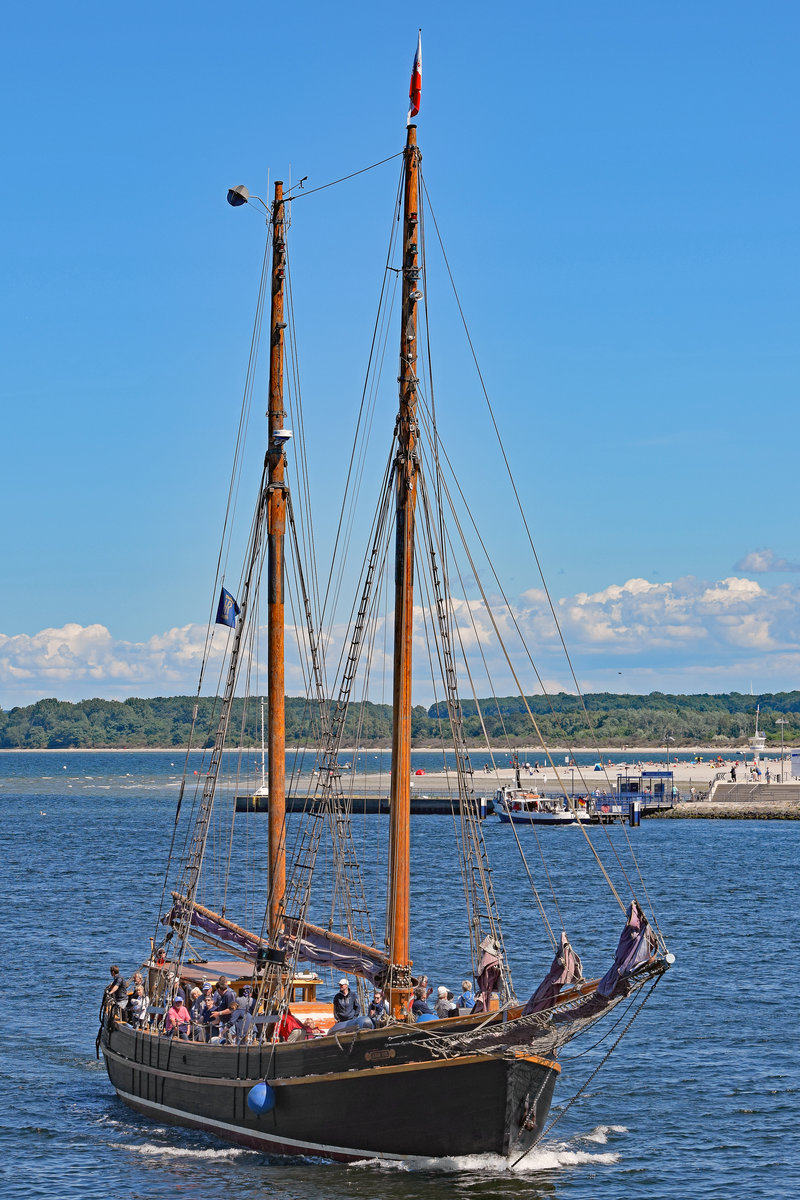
[{"x": 699, "y": 1099}]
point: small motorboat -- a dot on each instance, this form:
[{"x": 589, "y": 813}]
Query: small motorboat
[{"x": 513, "y": 804}]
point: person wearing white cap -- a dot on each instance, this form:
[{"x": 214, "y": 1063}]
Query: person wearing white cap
[
  {"x": 345, "y": 1003},
  {"x": 444, "y": 1005}
]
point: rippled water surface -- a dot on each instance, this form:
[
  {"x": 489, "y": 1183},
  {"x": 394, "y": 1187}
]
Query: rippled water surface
[{"x": 699, "y": 1100}]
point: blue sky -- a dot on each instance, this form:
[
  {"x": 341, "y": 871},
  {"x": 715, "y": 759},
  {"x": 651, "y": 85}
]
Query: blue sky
[{"x": 618, "y": 189}]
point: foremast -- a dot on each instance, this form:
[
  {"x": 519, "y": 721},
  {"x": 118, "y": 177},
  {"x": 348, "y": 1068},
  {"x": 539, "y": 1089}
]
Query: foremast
[{"x": 399, "y": 984}]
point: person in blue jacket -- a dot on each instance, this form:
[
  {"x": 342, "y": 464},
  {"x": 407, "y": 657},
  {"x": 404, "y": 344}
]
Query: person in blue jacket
[
  {"x": 467, "y": 997},
  {"x": 347, "y": 1010},
  {"x": 420, "y": 1008}
]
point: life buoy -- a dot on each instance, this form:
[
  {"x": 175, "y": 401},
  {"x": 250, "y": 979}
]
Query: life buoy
[{"x": 605, "y": 808}]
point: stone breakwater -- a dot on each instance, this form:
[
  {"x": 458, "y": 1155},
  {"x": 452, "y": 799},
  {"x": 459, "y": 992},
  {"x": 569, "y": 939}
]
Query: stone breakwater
[{"x": 730, "y": 810}]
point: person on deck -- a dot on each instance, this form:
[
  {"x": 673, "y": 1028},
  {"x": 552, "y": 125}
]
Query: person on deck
[
  {"x": 210, "y": 1022},
  {"x": 136, "y": 980},
  {"x": 467, "y": 997},
  {"x": 239, "y": 1024},
  {"x": 345, "y": 1003},
  {"x": 378, "y": 1010},
  {"x": 197, "y": 1012},
  {"x": 178, "y": 1019},
  {"x": 117, "y": 990},
  {"x": 311, "y": 1030},
  {"x": 137, "y": 1007},
  {"x": 223, "y": 1000},
  {"x": 444, "y": 1006},
  {"x": 419, "y": 1006},
  {"x": 422, "y": 982}
]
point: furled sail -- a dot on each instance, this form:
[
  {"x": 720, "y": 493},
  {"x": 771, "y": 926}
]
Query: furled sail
[
  {"x": 309, "y": 943},
  {"x": 637, "y": 945},
  {"x": 488, "y": 975},
  {"x": 565, "y": 969},
  {"x": 327, "y": 949},
  {"x": 214, "y": 928}
]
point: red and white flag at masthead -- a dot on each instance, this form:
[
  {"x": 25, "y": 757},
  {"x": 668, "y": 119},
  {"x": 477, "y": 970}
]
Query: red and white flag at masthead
[{"x": 415, "y": 88}]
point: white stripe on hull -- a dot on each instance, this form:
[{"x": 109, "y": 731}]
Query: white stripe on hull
[
  {"x": 252, "y": 1137},
  {"x": 560, "y": 822}
]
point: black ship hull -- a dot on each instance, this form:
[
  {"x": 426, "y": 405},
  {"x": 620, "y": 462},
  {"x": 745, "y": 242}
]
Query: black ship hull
[{"x": 371, "y": 1095}]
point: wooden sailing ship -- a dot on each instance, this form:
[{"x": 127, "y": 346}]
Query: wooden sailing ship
[{"x": 396, "y": 1090}]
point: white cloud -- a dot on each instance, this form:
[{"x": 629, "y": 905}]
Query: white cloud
[
  {"x": 688, "y": 635},
  {"x": 78, "y": 661},
  {"x": 765, "y": 560}
]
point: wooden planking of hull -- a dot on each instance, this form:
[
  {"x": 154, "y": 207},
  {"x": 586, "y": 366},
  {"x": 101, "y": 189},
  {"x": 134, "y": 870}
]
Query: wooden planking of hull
[{"x": 415, "y": 1109}]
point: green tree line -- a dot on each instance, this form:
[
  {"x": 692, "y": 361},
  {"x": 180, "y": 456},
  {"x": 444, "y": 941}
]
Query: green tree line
[{"x": 599, "y": 719}]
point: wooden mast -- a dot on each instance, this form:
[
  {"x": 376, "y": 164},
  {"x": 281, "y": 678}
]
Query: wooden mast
[
  {"x": 406, "y": 496},
  {"x": 276, "y": 524}
]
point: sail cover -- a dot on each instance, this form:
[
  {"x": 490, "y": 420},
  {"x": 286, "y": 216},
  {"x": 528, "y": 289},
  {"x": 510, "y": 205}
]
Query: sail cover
[
  {"x": 203, "y": 920},
  {"x": 637, "y": 945},
  {"x": 565, "y": 969},
  {"x": 316, "y": 945},
  {"x": 328, "y": 949},
  {"x": 488, "y": 976}
]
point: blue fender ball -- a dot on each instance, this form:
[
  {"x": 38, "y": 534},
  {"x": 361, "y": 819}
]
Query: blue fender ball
[{"x": 261, "y": 1098}]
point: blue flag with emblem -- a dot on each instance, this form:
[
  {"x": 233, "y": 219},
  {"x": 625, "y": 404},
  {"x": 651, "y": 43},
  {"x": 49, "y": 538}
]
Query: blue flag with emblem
[{"x": 227, "y": 609}]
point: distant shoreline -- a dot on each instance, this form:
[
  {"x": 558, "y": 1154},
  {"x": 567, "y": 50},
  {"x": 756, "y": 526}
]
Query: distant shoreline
[{"x": 655, "y": 752}]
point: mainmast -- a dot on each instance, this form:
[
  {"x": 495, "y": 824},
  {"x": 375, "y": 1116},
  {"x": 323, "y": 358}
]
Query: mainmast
[
  {"x": 276, "y": 524},
  {"x": 406, "y": 497}
]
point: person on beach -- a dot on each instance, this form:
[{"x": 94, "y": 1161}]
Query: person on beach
[{"x": 733, "y": 773}]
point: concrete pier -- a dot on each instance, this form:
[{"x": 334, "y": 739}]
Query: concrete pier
[{"x": 743, "y": 802}]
